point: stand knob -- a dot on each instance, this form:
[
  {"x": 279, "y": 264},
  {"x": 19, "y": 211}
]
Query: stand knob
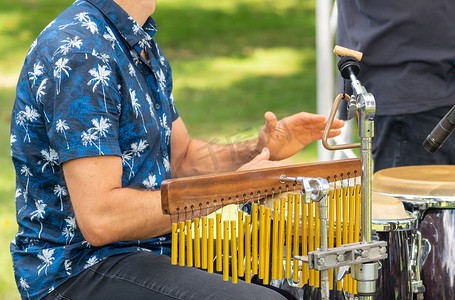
[{"x": 348, "y": 65}]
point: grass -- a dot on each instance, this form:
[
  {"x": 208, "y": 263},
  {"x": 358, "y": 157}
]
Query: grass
[{"x": 232, "y": 61}]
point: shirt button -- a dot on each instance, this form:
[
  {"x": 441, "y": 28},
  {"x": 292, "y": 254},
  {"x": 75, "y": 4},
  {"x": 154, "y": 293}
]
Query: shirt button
[
  {"x": 163, "y": 153},
  {"x": 157, "y": 106}
]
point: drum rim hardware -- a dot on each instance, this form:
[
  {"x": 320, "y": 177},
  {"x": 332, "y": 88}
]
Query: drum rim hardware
[
  {"x": 433, "y": 201},
  {"x": 396, "y": 224}
]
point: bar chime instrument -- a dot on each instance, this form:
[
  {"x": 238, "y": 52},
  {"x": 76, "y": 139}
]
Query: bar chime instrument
[{"x": 306, "y": 223}]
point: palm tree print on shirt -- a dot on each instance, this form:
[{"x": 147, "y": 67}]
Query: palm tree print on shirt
[
  {"x": 150, "y": 182},
  {"x": 161, "y": 80},
  {"x": 50, "y": 158},
  {"x": 136, "y": 28},
  {"x": 60, "y": 70},
  {"x": 166, "y": 128},
  {"x": 135, "y": 151},
  {"x": 145, "y": 42},
  {"x": 110, "y": 37},
  {"x": 70, "y": 229},
  {"x": 25, "y": 117},
  {"x": 91, "y": 261},
  {"x": 61, "y": 127},
  {"x": 12, "y": 140},
  {"x": 95, "y": 133},
  {"x": 166, "y": 164},
  {"x": 132, "y": 73},
  {"x": 38, "y": 70},
  {"x": 100, "y": 76},
  {"x": 39, "y": 214},
  {"x": 137, "y": 107},
  {"x": 68, "y": 266},
  {"x": 24, "y": 285},
  {"x": 68, "y": 43},
  {"x": 17, "y": 195},
  {"x": 27, "y": 173},
  {"x": 60, "y": 191},
  {"x": 47, "y": 258},
  {"x": 40, "y": 92},
  {"x": 103, "y": 57},
  {"x": 85, "y": 21}
]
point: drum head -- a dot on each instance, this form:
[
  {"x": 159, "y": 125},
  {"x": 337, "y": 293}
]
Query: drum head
[
  {"x": 387, "y": 208},
  {"x": 431, "y": 180}
]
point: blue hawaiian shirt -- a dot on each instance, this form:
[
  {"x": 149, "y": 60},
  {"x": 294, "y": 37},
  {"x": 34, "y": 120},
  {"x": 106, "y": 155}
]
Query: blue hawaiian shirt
[{"x": 85, "y": 90}]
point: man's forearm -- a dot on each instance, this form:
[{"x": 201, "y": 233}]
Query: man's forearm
[
  {"x": 204, "y": 158},
  {"x": 105, "y": 211},
  {"x": 123, "y": 215}
]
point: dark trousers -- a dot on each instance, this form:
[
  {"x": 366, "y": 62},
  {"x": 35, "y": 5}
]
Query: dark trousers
[
  {"x": 145, "y": 275},
  {"x": 398, "y": 140}
]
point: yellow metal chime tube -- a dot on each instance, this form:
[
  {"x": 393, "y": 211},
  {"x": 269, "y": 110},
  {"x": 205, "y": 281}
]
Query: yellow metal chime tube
[
  {"x": 311, "y": 239},
  {"x": 275, "y": 245},
  {"x": 304, "y": 218},
  {"x": 181, "y": 243},
  {"x": 281, "y": 237},
  {"x": 189, "y": 244},
  {"x": 247, "y": 249},
  {"x": 210, "y": 247},
  {"x": 204, "y": 247},
  {"x": 219, "y": 242},
  {"x": 174, "y": 243},
  {"x": 331, "y": 230},
  {"x": 197, "y": 243},
  {"x": 225, "y": 251},
  {"x": 338, "y": 228},
  {"x": 254, "y": 238},
  {"x": 289, "y": 236},
  {"x": 295, "y": 271},
  {"x": 241, "y": 245},
  {"x": 234, "y": 252},
  {"x": 268, "y": 221},
  {"x": 262, "y": 237}
]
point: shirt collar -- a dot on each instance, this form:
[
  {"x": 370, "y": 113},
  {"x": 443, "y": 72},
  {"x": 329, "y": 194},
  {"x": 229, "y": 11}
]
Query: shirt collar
[{"x": 133, "y": 34}]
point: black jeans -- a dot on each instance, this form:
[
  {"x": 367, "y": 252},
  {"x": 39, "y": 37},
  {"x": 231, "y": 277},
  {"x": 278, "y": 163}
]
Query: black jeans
[
  {"x": 398, "y": 140},
  {"x": 145, "y": 275}
]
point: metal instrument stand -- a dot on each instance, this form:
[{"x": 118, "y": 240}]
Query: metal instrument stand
[
  {"x": 365, "y": 274},
  {"x": 362, "y": 104}
]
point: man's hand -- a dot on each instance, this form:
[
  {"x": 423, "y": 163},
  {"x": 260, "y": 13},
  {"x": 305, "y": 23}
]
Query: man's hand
[
  {"x": 261, "y": 161},
  {"x": 288, "y": 136}
]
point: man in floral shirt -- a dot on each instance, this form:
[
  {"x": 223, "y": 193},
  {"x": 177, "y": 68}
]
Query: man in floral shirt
[{"x": 92, "y": 130}]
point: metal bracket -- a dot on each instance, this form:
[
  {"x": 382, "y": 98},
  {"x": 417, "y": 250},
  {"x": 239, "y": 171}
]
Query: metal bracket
[
  {"x": 313, "y": 188},
  {"x": 350, "y": 254}
]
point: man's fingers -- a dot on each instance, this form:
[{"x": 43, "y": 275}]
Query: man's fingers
[
  {"x": 333, "y": 133},
  {"x": 270, "y": 120},
  {"x": 264, "y": 155}
]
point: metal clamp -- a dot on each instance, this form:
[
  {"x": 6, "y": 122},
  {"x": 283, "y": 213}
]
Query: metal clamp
[
  {"x": 313, "y": 188},
  {"x": 345, "y": 255}
]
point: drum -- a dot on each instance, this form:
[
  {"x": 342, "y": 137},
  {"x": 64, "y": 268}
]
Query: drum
[
  {"x": 394, "y": 225},
  {"x": 428, "y": 192}
]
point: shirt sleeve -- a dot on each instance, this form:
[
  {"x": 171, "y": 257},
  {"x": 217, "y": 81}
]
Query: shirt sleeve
[{"x": 81, "y": 104}]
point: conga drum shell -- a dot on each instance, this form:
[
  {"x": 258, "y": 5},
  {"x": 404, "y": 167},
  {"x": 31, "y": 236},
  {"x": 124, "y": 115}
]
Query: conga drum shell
[
  {"x": 393, "y": 224},
  {"x": 428, "y": 180},
  {"x": 428, "y": 192}
]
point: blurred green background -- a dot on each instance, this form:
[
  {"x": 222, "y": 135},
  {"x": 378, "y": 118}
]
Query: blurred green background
[{"x": 232, "y": 61}]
